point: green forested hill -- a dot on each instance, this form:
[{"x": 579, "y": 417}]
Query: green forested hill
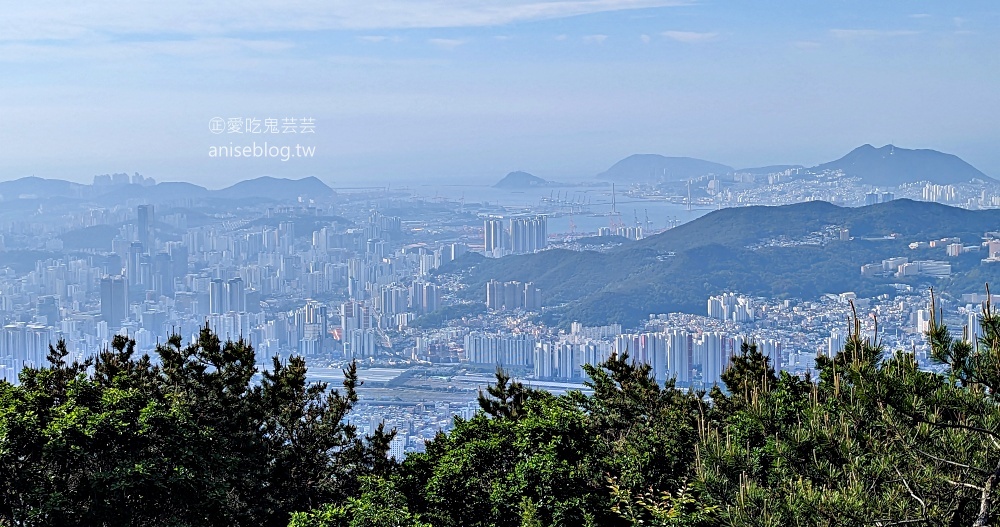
[{"x": 678, "y": 269}]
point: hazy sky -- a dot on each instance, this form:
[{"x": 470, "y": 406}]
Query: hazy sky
[{"x": 406, "y": 90}]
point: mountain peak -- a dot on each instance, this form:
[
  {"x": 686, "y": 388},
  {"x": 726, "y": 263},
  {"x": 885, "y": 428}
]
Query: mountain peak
[
  {"x": 521, "y": 179},
  {"x": 654, "y": 167},
  {"x": 892, "y": 166},
  {"x": 277, "y": 188}
]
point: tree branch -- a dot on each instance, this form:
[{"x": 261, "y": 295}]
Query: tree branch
[
  {"x": 964, "y": 484},
  {"x": 923, "y": 506},
  {"x": 950, "y": 462}
]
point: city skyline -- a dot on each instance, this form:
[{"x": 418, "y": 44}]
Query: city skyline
[{"x": 501, "y": 263}]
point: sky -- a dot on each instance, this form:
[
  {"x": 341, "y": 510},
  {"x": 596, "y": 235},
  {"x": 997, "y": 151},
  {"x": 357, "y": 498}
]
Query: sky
[{"x": 404, "y": 91}]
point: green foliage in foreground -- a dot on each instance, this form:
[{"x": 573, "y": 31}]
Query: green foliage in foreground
[
  {"x": 190, "y": 441},
  {"x": 870, "y": 440},
  {"x": 380, "y": 505},
  {"x": 531, "y": 458}
]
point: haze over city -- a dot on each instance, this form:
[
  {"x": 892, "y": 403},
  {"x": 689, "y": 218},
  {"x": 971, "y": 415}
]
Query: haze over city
[
  {"x": 408, "y": 91},
  {"x": 499, "y": 263}
]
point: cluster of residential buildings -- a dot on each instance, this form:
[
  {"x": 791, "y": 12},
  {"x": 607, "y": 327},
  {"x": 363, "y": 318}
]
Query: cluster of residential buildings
[
  {"x": 514, "y": 235},
  {"x": 901, "y": 267},
  {"x": 625, "y": 231},
  {"x": 513, "y": 295}
]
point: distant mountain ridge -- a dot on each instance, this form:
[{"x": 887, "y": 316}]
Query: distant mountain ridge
[
  {"x": 768, "y": 169},
  {"x": 266, "y": 188},
  {"x": 36, "y": 186},
  {"x": 888, "y": 166},
  {"x": 279, "y": 188},
  {"x": 654, "y": 167},
  {"x": 891, "y": 166}
]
